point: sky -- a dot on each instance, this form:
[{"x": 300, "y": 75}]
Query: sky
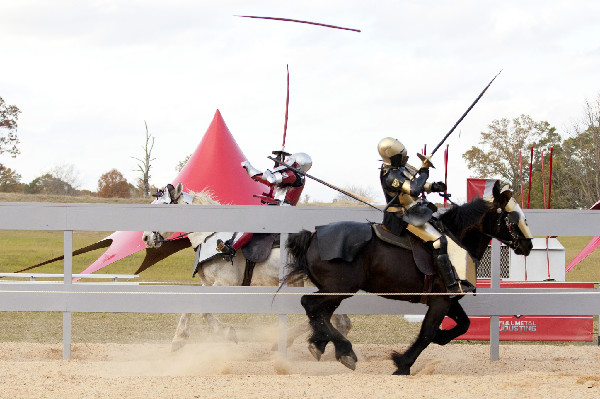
[{"x": 87, "y": 75}]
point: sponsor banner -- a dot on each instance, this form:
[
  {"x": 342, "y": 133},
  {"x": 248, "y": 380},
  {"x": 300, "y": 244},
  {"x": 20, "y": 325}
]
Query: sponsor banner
[{"x": 530, "y": 327}]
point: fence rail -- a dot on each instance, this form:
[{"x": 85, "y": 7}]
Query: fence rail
[{"x": 69, "y": 297}]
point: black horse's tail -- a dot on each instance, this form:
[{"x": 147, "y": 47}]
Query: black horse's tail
[{"x": 297, "y": 266}]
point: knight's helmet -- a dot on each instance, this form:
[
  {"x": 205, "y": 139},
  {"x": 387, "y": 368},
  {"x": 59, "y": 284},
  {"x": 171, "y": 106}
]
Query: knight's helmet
[
  {"x": 393, "y": 152},
  {"x": 300, "y": 160}
]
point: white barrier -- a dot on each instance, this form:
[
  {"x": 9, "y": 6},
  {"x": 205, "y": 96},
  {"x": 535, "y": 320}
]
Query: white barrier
[{"x": 68, "y": 297}]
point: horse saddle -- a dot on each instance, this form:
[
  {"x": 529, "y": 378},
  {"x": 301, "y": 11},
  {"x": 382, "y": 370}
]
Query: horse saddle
[
  {"x": 259, "y": 247},
  {"x": 344, "y": 240}
]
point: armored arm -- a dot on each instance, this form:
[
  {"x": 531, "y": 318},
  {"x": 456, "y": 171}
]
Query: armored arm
[
  {"x": 397, "y": 180},
  {"x": 417, "y": 185},
  {"x": 267, "y": 177},
  {"x": 437, "y": 187},
  {"x": 251, "y": 170}
]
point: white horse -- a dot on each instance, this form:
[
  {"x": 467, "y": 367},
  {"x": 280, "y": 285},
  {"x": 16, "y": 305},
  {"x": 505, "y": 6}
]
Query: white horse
[{"x": 219, "y": 272}]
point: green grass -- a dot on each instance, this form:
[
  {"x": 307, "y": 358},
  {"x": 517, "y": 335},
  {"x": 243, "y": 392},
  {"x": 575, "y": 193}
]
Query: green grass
[{"x": 587, "y": 269}]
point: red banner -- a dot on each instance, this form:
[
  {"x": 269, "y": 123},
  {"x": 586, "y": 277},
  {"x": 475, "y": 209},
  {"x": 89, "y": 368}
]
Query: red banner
[
  {"x": 479, "y": 188},
  {"x": 530, "y": 327}
]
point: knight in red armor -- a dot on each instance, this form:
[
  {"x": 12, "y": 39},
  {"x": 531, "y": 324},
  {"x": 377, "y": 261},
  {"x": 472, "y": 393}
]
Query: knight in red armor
[{"x": 285, "y": 188}]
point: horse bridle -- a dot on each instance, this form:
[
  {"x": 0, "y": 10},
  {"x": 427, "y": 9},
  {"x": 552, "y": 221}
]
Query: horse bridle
[
  {"x": 504, "y": 215},
  {"x": 160, "y": 193}
]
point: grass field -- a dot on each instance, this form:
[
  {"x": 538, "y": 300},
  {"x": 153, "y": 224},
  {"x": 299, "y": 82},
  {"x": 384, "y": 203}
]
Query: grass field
[{"x": 19, "y": 249}]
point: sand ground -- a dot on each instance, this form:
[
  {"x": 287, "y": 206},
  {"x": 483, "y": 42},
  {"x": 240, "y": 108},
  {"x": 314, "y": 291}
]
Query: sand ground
[{"x": 252, "y": 370}]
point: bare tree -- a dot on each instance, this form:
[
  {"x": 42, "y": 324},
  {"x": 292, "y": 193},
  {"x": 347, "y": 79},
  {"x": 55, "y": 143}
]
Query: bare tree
[
  {"x": 145, "y": 164},
  {"x": 181, "y": 164},
  {"x": 68, "y": 174},
  {"x": 363, "y": 192}
]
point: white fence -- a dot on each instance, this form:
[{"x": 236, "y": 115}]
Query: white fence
[{"x": 69, "y": 297}]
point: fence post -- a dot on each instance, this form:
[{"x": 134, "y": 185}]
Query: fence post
[
  {"x": 495, "y": 287},
  {"x": 68, "y": 278}
]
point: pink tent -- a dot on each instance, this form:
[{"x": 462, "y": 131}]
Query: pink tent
[
  {"x": 588, "y": 249},
  {"x": 214, "y": 165}
]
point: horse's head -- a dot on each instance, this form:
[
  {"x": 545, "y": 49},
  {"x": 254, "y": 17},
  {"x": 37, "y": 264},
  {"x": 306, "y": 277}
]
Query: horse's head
[
  {"x": 175, "y": 195},
  {"x": 168, "y": 195},
  {"x": 510, "y": 225}
]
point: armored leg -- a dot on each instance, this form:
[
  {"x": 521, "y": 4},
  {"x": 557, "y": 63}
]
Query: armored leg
[
  {"x": 443, "y": 264},
  {"x": 225, "y": 248},
  {"x": 445, "y": 269}
]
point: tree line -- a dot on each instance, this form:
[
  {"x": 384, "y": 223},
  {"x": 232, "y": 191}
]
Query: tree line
[
  {"x": 111, "y": 184},
  {"x": 520, "y": 151}
]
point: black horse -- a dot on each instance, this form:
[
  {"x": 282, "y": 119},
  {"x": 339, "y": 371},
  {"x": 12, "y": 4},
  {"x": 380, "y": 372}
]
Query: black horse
[{"x": 384, "y": 268}]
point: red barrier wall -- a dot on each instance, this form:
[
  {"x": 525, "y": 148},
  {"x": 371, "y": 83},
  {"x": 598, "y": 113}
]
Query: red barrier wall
[{"x": 529, "y": 327}]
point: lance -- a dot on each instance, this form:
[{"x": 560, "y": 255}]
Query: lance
[
  {"x": 280, "y": 155},
  {"x": 426, "y": 159},
  {"x": 300, "y": 172}
]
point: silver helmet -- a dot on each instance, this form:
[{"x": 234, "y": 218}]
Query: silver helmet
[
  {"x": 392, "y": 152},
  {"x": 300, "y": 160}
]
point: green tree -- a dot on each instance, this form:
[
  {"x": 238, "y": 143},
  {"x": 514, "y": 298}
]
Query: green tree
[
  {"x": 49, "y": 184},
  {"x": 9, "y": 115},
  {"x": 579, "y": 178},
  {"x": 113, "y": 184},
  {"x": 497, "y": 155}
]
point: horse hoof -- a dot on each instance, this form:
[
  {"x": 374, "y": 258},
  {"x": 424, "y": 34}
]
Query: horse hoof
[
  {"x": 315, "y": 351},
  {"x": 403, "y": 371},
  {"x": 176, "y": 345},
  {"x": 349, "y": 362},
  {"x": 232, "y": 335}
]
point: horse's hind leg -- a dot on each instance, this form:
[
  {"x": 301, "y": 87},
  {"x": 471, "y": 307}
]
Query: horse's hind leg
[
  {"x": 341, "y": 322},
  {"x": 456, "y": 313},
  {"x": 319, "y": 310},
  {"x": 438, "y": 308},
  {"x": 182, "y": 333},
  {"x": 220, "y": 328}
]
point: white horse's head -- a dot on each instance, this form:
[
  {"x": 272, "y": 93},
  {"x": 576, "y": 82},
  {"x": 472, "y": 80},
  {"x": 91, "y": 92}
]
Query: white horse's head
[{"x": 175, "y": 195}]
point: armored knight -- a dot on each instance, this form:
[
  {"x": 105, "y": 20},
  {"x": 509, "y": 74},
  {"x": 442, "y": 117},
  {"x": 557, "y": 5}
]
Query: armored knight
[
  {"x": 406, "y": 210},
  {"x": 285, "y": 188}
]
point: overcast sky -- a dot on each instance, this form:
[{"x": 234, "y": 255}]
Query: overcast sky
[{"x": 87, "y": 74}]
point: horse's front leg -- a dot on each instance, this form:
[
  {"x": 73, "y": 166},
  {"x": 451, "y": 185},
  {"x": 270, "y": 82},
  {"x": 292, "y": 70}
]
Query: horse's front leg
[
  {"x": 319, "y": 310},
  {"x": 182, "y": 333},
  {"x": 438, "y": 308},
  {"x": 456, "y": 313}
]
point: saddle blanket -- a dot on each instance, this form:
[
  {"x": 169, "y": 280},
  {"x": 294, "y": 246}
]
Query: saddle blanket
[{"x": 344, "y": 240}]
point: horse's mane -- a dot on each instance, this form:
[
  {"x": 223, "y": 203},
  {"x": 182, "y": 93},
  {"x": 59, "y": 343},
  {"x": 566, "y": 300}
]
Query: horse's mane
[
  {"x": 462, "y": 218},
  {"x": 204, "y": 197}
]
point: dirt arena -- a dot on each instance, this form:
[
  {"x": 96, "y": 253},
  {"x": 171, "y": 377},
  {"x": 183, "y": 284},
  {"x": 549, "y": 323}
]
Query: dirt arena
[{"x": 251, "y": 370}]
